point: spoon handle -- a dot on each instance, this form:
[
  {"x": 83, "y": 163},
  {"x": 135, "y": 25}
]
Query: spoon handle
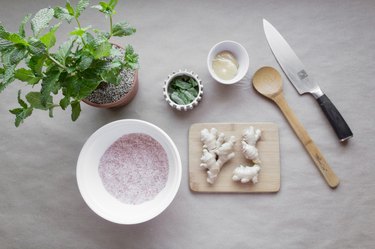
[{"x": 307, "y": 142}]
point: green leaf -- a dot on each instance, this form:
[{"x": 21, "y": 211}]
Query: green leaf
[
  {"x": 85, "y": 62},
  {"x": 69, "y": 8},
  {"x": 193, "y": 91},
  {"x": 64, "y": 50},
  {"x": 41, "y": 20},
  {"x": 26, "y": 76},
  {"x": 36, "y": 63},
  {"x": 17, "y": 39},
  {"x": 49, "y": 85},
  {"x": 112, "y": 3},
  {"x": 21, "y": 114},
  {"x": 35, "y": 100},
  {"x": 122, "y": 29},
  {"x": 5, "y": 45},
  {"x": 20, "y": 101},
  {"x": 62, "y": 14},
  {"x": 8, "y": 77},
  {"x": 80, "y": 31},
  {"x": 188, "y": 95},
  {"x": 17, "y": 54},
  {"x": 131, "y": 58},
  {"x": 21, "y": 29},
  {"x": 80, "y": 88},
  {"x": 193, "y": 82},
  {"x": 104, "y": 8},
  {"x": 176, "y": 98},
  {"x": 3, "y": 33},
  {"x": 183, "y": 97},
  {"x": 76, "y": 110},
  {"x": 182, "y": 84},
  {"x": 111, "y": 76},
  {"x": 36, "y": 47},
  {"x": 50, "y": 112},
  {"x": 81, "y": 6},
  {"x": 102, "y": 50},
  {"x": 49, "y": 39},
  {"x": 64, "y": 102}
]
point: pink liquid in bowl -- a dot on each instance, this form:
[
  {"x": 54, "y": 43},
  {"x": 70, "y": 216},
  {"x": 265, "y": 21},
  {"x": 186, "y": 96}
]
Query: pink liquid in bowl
[{"x": 134, "y": 169}]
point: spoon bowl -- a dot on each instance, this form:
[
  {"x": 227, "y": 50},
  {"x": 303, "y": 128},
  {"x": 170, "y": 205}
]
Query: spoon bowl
[{"x": 267, "y": 81}]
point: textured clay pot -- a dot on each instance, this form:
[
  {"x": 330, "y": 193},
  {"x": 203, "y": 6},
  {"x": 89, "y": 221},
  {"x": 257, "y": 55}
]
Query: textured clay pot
[{"x": 124, "y": 100}]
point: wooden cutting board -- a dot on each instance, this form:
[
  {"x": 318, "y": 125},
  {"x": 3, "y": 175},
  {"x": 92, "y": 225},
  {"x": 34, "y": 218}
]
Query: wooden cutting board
[{"x": 269, "y": 153}]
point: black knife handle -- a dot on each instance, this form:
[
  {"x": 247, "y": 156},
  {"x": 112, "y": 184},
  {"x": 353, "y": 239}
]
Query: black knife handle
[{"x": 337, "y": 122}]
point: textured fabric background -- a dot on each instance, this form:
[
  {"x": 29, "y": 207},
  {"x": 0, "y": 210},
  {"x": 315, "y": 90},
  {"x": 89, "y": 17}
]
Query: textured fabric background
[{"x": 41, "y": 207}]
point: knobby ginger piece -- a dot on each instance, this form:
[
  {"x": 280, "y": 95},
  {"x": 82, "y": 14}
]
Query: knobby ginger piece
[
  {"x": 217, "y": 150},
  {"x": 250, "y": 136},
  {"x": 246, "y": 173}
]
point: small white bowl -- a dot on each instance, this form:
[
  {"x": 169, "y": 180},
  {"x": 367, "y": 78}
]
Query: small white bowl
[
  {"x": 90, "y": 184},
  {"x": 173, "y": 104},
  {"x": 238, "y": 51}
]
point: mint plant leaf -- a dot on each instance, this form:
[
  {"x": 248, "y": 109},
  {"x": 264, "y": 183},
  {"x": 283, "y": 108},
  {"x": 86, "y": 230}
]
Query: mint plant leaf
[
  {"x": 81, "y": 6},
  {"x": 62, "y": 14},
  {"x": 112, "y": 3},
  {"x": 26, "y": 75},
  {"x": 36, "y": 47},
  {"x": 85, "y": 62},
  {"x": 5, "y": 45},
  {"x": 122, "y": 29},
  {"x": 64, "y": 50},
  {"x": 20, "y": 101},
  {"x": 131, "y": 58},
  {"x": 182, "y": 84},
  {"x": 64, "y": 102},
  {"x": 21, "y": 29},
  {"x": 177, "y": 99},
  {"x": 21, "y": 114},
  {"x": 36, "y": 63},
  {"x": 80, "y": 31},
  {"x": 17, "y": 54},
  {"x": 41, "y": 20},
  {"x": 8, "y": 77},
  {"x": 76, "y": 110},
  {"x": 49, "y": 85},
  {"x": 35, "y": 101},
  {"x": 102, "y": 50},
  {"x": 111, "y": 76},
  {"x": 70, "y": 9},
  {"x": 17, "y": 39},
  {"x": 49, "y": 39},
  {"x": 3, "y": 33}
]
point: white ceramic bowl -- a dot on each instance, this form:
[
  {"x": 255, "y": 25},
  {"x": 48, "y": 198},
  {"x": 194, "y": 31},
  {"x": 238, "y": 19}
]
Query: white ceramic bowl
[
  {"x": 92, "y": 189},
  {"x": 173, "y": 104},
  {"x": 238, "y": 51}
]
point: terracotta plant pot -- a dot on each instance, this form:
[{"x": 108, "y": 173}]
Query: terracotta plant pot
[{"x": 124, "y": 100}]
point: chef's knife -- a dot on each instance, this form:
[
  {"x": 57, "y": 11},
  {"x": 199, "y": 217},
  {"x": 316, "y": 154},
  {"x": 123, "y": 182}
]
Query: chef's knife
[{"x": 296, "y": 73}]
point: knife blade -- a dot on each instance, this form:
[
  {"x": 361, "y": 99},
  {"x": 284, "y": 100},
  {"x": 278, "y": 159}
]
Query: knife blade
[{"x": 302, "y": 81}]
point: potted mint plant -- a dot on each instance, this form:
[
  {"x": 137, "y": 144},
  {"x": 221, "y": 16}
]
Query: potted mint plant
[{"x": 87, "y": 67}]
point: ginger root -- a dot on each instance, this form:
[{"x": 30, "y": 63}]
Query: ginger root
[
  {"x": 245, "y": 174},
  {"x": 250, "y": 136},
  {"x": 217, "y": 150}
]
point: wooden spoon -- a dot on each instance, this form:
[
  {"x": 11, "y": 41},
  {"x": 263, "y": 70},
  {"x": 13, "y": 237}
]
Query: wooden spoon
[{"x": 267, "y": 81}]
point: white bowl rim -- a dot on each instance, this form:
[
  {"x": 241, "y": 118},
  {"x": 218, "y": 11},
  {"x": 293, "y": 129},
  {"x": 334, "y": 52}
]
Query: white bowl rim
[
  {"x": 172, "y": 192},
  {"x": 238, "y": 77}
]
